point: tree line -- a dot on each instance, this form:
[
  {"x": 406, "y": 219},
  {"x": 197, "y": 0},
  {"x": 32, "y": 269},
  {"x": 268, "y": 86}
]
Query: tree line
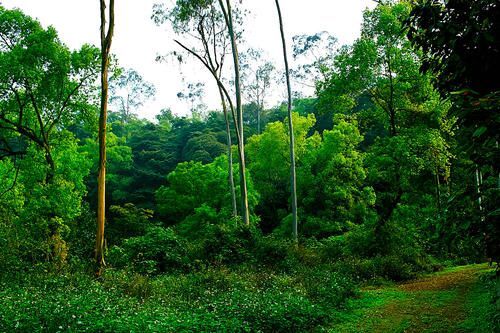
[{"x": 398, "y": 147}]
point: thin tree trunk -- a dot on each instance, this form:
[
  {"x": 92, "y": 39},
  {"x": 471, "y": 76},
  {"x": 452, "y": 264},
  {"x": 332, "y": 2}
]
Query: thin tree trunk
[
  {"x": 293, "y": 176},
  {"x": 498, "y": 173},
  {"x": 438, "y": 191},
  {"x": 259, "y": 109},
  {"x": 223, "y": 94},
  {"x": 106, "y": 38},
  {"x": 392, "y": 111},
  {"x": 228, "y": 16},
  {"x": 229, "y": 154},
  {"x": 50, "y": 161},
  {"x": 479, "y": 195}
]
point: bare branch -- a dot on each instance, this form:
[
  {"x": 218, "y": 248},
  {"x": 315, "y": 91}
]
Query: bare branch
[{"x": 219, "y": 82}]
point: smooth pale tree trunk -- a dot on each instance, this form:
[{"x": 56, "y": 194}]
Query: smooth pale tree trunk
[
  {"x": 259, "y": 110},
  {"x": 438, "y": 189},
  {"x": 224, "y": 96},
  {"x": 106, "y": 38},
  {"x": 438, "y": 193},
  {"x": 229, "y": 153},
  {"x": 293, "y": 176},
  {"x": 392, "y": 111},
  {"x": 228, "y": 16},
  {"x": 479, "y": 182}
]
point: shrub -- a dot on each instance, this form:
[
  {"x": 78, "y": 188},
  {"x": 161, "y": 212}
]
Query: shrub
[
  {"x": 361, "y": 241},
  {"x": 380, "y": 267},
  {"x": 326, "y": 286},
  {"x": 82, "y": 236},
  {"x": 274, "y": 252},
  {"x": 159, "y": 250},
  {"x": 196, "y": 227},
  {"x": 394, "y": 268},
  {"x": 230, "y": 243},
  {"x": 332, "y": 248},
  {"x": 271, "y": 311},
  {"x": 127, "y": 221},
  {"x": 321, "y": 227},
  {"x": 193, "y": 185}
]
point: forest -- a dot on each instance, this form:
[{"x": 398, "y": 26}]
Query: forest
[{"x": 370, "y": 204}]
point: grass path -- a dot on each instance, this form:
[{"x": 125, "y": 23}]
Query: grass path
[{"x": 434, "y": 303}]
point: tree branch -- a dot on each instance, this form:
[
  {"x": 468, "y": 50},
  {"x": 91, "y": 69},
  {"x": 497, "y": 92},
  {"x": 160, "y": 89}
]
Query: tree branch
[
  {"x": 13, "y": 184},
  {"x": 219, "y": 82}
]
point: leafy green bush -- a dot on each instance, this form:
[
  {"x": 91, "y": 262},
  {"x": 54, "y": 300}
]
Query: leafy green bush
[
  {"x": 230, "y": 243},
  {"x": 197, "y": 226},
  {"x": 193, "y": 185},
  {"x": 328, "y": 287},
  {"x": 381, "y": 267},
  {"x": 361, "y": 241},
  {"x": 332, "y": 248},
  {"x": 81, "y": 239},
  {"x": 274, "y": 252},
  {"x": 127, "y": 221},
  {"x": 159, "y": 250},
  {"x": 394, "y": 268}
]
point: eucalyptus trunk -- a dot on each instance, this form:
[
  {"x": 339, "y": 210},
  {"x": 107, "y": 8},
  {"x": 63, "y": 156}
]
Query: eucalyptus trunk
[
  {"x": 259, "y": 111},
  {"x": 224, "y": 96},
  {"x": 479, "y": 183},
  {"x": 228, "y": 16},
  {"x": 106, "y": 38},
  {"x": 229, "y": 154},
  {"x": 293, "y": 176}
]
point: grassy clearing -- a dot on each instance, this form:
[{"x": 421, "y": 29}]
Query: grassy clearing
[
  {"x": 449, "y": 301},
  {"x": 483, "y": 306},
  {"x": 222, "y": 300},
  {"x": 208, "y": 301}
]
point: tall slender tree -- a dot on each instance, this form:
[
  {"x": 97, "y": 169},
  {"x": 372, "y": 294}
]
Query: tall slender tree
[
  {"x": 257, "y": 77},
  {"x": 128, "y": 92},
  {"x": 228, "y": 17},
  {"x": 106, "y": 39},
  {"x": 211, "y": 48},
  {"x": 293, "y": 177}
]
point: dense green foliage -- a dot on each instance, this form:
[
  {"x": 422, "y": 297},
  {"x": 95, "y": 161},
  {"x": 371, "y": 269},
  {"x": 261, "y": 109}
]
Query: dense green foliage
[
  {"x": 211, "y": 301},
  {"x": 44, "y": 90},
  {"x": 463, "y": 56},
  {"x": 397, "y": 173}
]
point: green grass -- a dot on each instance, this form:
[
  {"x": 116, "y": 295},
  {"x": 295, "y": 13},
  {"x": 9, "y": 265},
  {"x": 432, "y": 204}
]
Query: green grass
[
  {"x": 225, "y": 300},
  {"x": 483, "y": 306},
  {"x": 356, "y": 310},
  {"x": 208, "y": 301},
  {"x": 434, "y": 303}
]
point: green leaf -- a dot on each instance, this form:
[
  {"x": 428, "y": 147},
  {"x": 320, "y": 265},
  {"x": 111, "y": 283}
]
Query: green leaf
[{"x": 480, "y": 131}]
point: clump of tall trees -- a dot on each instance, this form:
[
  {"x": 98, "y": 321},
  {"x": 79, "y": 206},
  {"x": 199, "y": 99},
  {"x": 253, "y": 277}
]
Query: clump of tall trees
[{"x": 398, "y": 149}]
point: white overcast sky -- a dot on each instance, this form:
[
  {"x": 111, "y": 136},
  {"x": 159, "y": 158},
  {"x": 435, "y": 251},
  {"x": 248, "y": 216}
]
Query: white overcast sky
[{"x": 138, "y": 40}]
